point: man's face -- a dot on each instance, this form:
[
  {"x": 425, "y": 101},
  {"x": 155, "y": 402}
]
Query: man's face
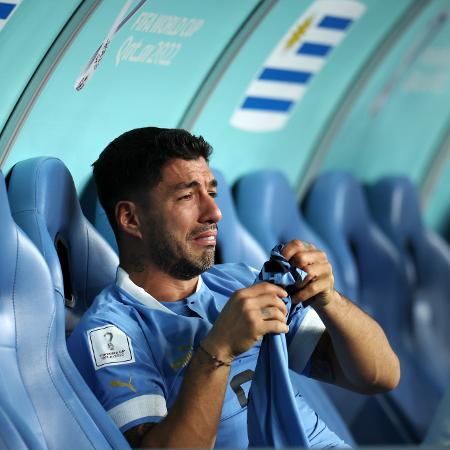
[{"x": 180, "y": 225}]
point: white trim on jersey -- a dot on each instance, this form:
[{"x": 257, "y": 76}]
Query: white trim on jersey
[
  {"x": 124, "y": 282},
  {"x": 150, "y": 405},
  {"x": 305, "y": 341}
]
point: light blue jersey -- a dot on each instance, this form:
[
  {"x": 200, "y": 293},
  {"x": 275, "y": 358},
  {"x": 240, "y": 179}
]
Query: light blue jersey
[{"x": 133, "y": 352}]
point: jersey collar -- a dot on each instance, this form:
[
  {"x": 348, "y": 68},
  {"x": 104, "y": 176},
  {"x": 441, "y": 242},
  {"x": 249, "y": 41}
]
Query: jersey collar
[{"x": 123, "y": 281}]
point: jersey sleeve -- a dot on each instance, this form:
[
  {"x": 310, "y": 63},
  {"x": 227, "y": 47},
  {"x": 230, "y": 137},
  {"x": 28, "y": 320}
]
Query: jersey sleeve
[
  {"x": 305, "y": 330},
  {"x": 119, "y": 367}
]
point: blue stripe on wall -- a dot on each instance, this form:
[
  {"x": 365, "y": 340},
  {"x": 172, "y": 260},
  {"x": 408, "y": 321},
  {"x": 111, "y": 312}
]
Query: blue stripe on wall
[
  {"x": 338, "y": 23},
  {"x": 268, "y": 104},
  {"x": 289, "y": 76},
  {"x": 309, "y": 48},
  {"x": 5, "y": 10}
]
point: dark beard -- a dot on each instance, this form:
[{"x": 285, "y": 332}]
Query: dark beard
[{"x": 170, "y": 257}]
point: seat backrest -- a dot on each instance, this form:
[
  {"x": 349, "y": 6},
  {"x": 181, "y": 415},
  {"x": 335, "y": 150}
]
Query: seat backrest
[
  {"x": 337, "y": 207},
  {"x": 235, "y": 243},
  {"x": 395, "y": 205},
  {"x": 438, "y": 433},
  {"x": 45, "y": 205},
  {"x": 10, "y": 436},
  {"x": 32, "y": 373},
  {"x": 102, "y": 225},
  {"x": 268, "y": 208}
]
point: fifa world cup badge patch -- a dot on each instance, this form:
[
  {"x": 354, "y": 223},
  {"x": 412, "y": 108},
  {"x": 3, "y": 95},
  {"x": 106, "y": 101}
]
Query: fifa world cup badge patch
[{"x": 109, "y": 346}]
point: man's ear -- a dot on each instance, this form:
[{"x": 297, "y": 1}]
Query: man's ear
[{"x": 127, "y": 218}]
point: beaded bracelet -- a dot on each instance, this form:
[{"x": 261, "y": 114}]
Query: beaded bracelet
[{"x": 216, "y": 361}]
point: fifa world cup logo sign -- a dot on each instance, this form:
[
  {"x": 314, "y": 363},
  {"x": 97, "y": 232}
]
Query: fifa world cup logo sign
[{"x": 109, "y": 337}]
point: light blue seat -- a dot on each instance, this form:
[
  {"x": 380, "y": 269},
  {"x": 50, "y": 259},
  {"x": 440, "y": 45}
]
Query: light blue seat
[
  {"x": 268, "y": 208},
  {"x": 45, "y": 205},
  {"x": 438, "y": 433},
  {"x": 10, "y": 437},
  {"x": 102, "y": 225},
  {"x": 395, "y": 205},
  {"x": 37, "y": 376},
  {"x": 337, "y": 208},
  {"x": 15, "y": 432},
  {"x": 235, "y": 243}
]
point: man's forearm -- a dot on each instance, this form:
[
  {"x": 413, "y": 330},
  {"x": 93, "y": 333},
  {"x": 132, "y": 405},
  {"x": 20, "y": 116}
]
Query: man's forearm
[
  {"x": 364, "y": 357},
  {"x": 193, "y": 419}
]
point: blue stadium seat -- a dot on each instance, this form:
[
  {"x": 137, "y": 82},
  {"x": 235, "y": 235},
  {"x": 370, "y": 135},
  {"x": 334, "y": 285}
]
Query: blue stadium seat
[
  {"x": 102, "y": 225},
  {"x": 15, "y": 432},
  {"x": 268, "y": 208},
  {"x": 10, "y": 437},
  {"x": 235, "y": 243},
  {"x": 36, "y": 373},
  {"x": 395, "y": 205},
  {"x": 438, "y": 434},
  {"x": 45, "y": 205},
  {"x": 337, "y": 208}
]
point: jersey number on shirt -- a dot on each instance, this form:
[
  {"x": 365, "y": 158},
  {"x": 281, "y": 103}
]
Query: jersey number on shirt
[{"x": 236, "y": 384}]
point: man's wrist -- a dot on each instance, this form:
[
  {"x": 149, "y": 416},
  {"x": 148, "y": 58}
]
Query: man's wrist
[
  {"x": 213, "y": 359},
  {"x": 216, "y": 351},
  {"x": 323, "y": 302}
]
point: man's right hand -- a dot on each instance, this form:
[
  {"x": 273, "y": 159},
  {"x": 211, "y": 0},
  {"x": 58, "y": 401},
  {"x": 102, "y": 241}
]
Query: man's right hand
[
  {"x": 248, "y": 315},
  {"x": 193, "y": 419}
]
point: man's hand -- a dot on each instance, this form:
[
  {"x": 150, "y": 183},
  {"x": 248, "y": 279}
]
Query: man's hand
[
  {"x": 353, "y": 352},
  {"x": 317, "y": 288},
  {"x": 248, "y": 315}
]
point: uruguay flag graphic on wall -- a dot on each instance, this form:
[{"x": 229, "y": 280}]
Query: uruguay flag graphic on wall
[{"x": 287, "y": 72}]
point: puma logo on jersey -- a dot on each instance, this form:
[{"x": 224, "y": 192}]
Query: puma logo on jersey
[
  {"x": 118, "y": 383},
  {"x": 183, "y": 360}
]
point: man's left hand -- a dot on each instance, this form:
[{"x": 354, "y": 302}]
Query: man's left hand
[{"x": 317, "y": 288}]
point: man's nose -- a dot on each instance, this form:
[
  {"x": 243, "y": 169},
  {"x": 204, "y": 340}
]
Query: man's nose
[{"x": 210, "y": 210}]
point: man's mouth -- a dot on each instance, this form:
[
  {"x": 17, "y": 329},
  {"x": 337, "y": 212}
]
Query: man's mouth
[{"x": 207, "y": 238}]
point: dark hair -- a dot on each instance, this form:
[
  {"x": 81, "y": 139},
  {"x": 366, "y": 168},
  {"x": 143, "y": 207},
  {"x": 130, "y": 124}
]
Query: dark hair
[{"x": 132, "y": 163}]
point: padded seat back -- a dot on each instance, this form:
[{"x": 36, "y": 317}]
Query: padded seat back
[
  {"x": 101, "y": 222},
  {"x": 235, "y": 243},
  {"x": 45, "y": 205},
  {"x": 395, "y": 205},
  {"x": 31, "y": 332},
  {"x": 268, "y": 208},
  {"x": 337, "y": 208},
  {"x": 13, "y": 429}
]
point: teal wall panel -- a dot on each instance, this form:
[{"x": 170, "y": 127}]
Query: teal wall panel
[
  {"x": 23, "y": 43},
  {"x": 127, "y": 90},
  {"x": 402, "y": 117},
  {"x": 290, "y": 148}
]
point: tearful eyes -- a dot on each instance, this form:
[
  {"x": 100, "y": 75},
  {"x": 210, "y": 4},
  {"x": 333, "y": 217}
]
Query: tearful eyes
[{"x": 212, "y": 194}]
